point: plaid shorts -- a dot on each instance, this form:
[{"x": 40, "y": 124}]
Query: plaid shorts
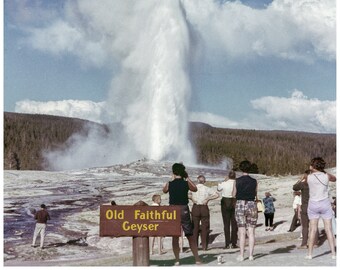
[{"x": 246, "y": 213}]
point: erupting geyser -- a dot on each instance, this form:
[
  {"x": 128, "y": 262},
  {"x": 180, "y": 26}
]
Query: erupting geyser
[
  {"x": 154, "y": 85},
  {"x": 150, "y": 92}
]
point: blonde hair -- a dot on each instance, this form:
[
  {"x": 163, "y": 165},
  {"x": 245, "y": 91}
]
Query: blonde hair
[{"x": 155, "y": 196}]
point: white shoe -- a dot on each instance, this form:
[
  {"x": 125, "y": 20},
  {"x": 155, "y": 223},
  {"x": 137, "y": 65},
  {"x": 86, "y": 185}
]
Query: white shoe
[
  {"x": 240, "y": 258},
  {"x": 309, "y": 257},
  {"x": 334, "y": 257},
  {"x": 251, "y": 258}
]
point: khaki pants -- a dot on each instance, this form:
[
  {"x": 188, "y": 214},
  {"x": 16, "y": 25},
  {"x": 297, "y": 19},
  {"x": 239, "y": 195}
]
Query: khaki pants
[{"x": 40, "y": 228}]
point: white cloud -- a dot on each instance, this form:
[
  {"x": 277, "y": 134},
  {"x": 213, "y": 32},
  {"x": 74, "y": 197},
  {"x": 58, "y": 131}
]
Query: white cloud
[
  {"x": 99, "y": 32},
  {"x": 83, "y": 109},
  {"x": 61, "y": 37},
  {"x": 315, "y": 21},
  {"x": 297, "y": 112},
  {"x": 289, "y": 29}
]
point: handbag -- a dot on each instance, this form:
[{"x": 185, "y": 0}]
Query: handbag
[{"x": 260, "y": 206}]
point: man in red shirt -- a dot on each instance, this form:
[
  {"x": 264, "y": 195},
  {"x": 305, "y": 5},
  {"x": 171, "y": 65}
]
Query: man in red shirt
[{"x": 40, "y": 228}]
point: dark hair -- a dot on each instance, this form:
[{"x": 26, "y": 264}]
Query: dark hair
[
  {"x": 141, "y": 203},
  {"x": 245, "y": 166},
  {"x": 318, "y": 163},
  {"x": 113, "y": 203},
  {"x": 43, "y": 206},
  {"x": 232, "y": 175},
  {"x": 179, "y": 169}
]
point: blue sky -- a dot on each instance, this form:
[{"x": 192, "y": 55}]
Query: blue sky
[{"x": 252, "y": 64}]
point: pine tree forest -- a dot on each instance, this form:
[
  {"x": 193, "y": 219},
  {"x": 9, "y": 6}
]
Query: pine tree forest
[{"x": 26, "y": 136}]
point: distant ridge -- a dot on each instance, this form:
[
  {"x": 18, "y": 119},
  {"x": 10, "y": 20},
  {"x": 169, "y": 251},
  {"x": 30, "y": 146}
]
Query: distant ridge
[{"x": 273, "y": 152}]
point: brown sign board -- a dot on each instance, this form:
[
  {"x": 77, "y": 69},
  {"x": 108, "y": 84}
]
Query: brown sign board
[{"x": 131, "y": 220}]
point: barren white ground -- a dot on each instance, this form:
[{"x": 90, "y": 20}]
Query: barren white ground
[{"x": 74, "y": 197}]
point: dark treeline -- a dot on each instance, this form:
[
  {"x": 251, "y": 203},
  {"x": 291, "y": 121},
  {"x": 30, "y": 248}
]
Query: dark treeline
[
  {"x": 26, "y": 136},
  {"x": 272, "y": 152}
]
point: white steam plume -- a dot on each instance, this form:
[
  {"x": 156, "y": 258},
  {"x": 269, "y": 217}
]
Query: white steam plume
[{"x": 152, "y": 93}]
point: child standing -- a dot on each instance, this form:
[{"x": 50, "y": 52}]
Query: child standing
[
  {"x": 156, "y": 201},
  {"x": 269, "y": 211}
]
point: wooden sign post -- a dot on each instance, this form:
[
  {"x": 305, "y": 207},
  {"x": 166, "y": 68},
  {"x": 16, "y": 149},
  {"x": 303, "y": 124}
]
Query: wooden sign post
[
  {"x": 140, "y": 222},
  {"x": 140, "y": 251}
]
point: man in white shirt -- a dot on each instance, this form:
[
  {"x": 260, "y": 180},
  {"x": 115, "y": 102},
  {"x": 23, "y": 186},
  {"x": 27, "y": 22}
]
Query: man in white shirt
[
  {"x": 228, "y": 203},
  {"x": 200, "y": 210}
]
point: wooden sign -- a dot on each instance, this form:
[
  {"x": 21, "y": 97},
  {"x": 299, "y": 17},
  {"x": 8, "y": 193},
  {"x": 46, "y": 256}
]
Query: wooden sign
[{"x": 140, "y": 221}]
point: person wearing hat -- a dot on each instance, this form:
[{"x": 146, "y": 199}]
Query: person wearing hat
[{"x": 40, "y": 227}]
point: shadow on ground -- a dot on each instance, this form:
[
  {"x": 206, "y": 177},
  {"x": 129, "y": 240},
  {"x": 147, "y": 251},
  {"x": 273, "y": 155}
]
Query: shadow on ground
[
  {"x": 206, "y": 258},
  {"x": 278, "y": 223},
  {"x": 286, "y": 249},
  {"x": 212, "y": 237}
]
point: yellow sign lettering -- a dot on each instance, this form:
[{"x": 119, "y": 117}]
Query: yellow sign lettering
[
  {"x": 109, "y": 214},
  {"x": 114, "y": 214},
  {"x": 127, "y": 226},
  {"x": 155, "y": 215}
]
